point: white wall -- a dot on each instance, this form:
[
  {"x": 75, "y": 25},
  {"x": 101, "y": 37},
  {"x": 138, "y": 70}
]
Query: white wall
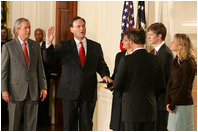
[{"x": 40, "y": 14}]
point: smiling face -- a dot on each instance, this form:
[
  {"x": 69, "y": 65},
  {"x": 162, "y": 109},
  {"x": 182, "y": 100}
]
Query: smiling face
[{"x": 79, "y": 29}]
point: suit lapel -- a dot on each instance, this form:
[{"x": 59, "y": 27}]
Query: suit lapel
[
  {"x": 31, "y": 52},
  {"x": 161, "y": 49},
  {"x": 88, "y": 52},
  {"x": 152, "y": 51},
  {"x": 75, "y": 52},
  {"x": 20, "y": 51}
]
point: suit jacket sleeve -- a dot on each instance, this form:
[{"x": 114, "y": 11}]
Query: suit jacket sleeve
[
  {"x": 121, "y": 76},
  {"x": 102, "y": 67},
  {"x": 50, "y": 55},
  {"x": 5, "y": 57},
  {"x": 160, "y": 82},
  {"x": 168, "y": 91},
  {"x": 116, "y": 67},
  {"x": 167, "y": 61},
  {"x": 41, "y": 72}
]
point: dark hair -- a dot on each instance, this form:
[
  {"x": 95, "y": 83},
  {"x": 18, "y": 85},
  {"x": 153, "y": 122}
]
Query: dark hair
[
  {"x": 74, "y": 19},
  {"x": 137, "y": 35},
  {"x": 158, "y": 28},
  {"x": 3, "y": 27}
]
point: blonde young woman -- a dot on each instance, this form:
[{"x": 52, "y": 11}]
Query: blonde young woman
[{"x": 179, "y": 89}]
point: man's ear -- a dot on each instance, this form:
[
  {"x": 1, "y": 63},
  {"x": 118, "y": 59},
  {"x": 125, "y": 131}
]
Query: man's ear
[
  {"x": 71, "y": 29},
  {"x": 17, "y": 30},
  {"x": 159, "y": 36},
  {"x": 131, "y": 42}
]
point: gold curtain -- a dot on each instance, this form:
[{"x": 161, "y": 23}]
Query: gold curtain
[{"x": 5, "y": 13}]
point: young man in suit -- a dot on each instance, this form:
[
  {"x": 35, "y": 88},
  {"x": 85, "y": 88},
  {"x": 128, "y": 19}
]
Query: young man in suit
[
  {"x": 81, "y": 58},
  {"x": 22, "y": 75},
  {"x": 137, "y": 80},
  {"x": 156, "y": 36}
]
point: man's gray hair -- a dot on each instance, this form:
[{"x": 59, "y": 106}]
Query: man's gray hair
[{"x": 19, "y": 21}]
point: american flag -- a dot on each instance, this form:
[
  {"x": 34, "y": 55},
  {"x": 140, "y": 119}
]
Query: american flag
[
  {"x": 141, "y": 21},
  {"x": 127, "y": 19}
]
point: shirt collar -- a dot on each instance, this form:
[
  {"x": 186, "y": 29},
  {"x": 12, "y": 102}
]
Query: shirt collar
[
  {"x": 41, "y": 43},
  {"x": 128, "y": 54},
  {"x": 138, "y": 49},
  {"x": 21, "y": 42},
  {"x": 159, "y": 46},
  {"x": 77, "y": 41}
]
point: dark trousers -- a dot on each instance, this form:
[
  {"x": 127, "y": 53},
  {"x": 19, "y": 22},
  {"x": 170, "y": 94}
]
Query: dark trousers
[
  {"x": 4, "y": 113},
  {"x": 162, "y": 120},
  {"x": 43, "y": 109},
  {"x": 116, "y": 124},
  {"x": 78, "y": 115},
  {"x": 140, "y": 126}
]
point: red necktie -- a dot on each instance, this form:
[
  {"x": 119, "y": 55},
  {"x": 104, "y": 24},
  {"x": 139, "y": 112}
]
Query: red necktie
[
  {"x": 82, "y": 54},
  {"x": 25, "y": 53},
  {"x": 155, "y": 52}
]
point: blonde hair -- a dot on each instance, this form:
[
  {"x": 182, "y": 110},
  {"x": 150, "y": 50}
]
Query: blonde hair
[{"x": 187, "y": 51}]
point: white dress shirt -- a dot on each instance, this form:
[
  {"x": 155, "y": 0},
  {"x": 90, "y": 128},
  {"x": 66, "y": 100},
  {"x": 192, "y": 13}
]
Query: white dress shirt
[
  {"x": 84, "y": 41},
  {"x": 27, "y": 45},
  {"x": 159, "y": 46}
]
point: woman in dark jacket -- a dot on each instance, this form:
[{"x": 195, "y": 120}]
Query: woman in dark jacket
[
  {"x": 179, "y": 89},
  {"x": 116, "y": 123}
]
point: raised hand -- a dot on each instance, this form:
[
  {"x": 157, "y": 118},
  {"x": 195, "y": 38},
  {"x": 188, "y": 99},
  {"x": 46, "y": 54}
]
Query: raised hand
[{"x": 50, "y": 35}]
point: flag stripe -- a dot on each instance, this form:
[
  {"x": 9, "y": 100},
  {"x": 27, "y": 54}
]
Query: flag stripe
[{"x": 127, "y": 19}]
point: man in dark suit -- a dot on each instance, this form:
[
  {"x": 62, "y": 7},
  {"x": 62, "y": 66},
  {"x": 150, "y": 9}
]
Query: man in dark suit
[
  {"x": 22, "y": 75},
  {"x": 156, "y": 36},
  {"x": 50, "y": 73},
  {"x": 4, "y": 35},
  {"x": 81, "y": 58},
  {"x": 137, "y": 80}
]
